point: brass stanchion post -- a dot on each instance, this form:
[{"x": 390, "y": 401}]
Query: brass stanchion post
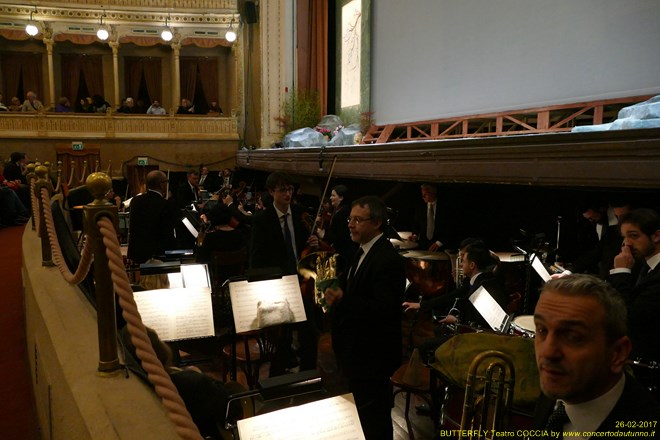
[
  {"x": 29, "y": 176},
  {"x": 43, "y": 182},
  {"x": 99, "y": 184}
]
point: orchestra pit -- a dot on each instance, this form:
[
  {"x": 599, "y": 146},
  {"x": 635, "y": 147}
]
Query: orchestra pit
[{"x": 237, "y": 219}]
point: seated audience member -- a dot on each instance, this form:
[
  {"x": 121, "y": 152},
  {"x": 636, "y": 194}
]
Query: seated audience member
[
  {"x": 86, "y": 105},
  {"x": 3, "y": 107},
  {"x": 477, "y": 264},
  {"x": 15, "y": 169},
  {"x": 156, "y": 109},
  {"x": 186, "y": 107},
  {"x": 12, "y": 211},
  {"x": 581, "y": 349},
  {"x": 32, "y": 104},
  {"x": 221, "y": 237},
  {"x": 636, "y": 275},
  {"x": 15, "y": 105},
  {"x": 127, "y": 106},
  {"x": 214, "y": 109},
  {"x": 100, "y": 105},
  {"x": 205, "y": 397},
  {"x": 63, "y": 105}
]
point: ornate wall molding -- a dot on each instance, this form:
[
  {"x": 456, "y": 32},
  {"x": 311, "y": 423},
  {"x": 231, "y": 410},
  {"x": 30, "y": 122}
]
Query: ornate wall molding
[{"x": 57, "y": 126}]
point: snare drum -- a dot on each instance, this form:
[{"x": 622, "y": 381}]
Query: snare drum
[{"x": 523, "y": 325}]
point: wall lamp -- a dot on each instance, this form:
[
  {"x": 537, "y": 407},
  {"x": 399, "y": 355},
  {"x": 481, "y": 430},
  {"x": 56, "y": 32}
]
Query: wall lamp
[
  {"x": 231, "y": 34},
  {"x": 31, "y": 28},
  {"x": 166, "y": 34},
  {"x": 102, "y": 32}
]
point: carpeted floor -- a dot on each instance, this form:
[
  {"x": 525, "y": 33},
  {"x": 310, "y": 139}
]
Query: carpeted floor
[{"x": 18, "y": 417}]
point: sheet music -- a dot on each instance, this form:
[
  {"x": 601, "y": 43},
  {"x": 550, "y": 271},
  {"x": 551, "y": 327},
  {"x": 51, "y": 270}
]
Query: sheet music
[
  {"x": 335, "y": 418},
  {"x": 175, "y": 279},
  {"x": 195, "y": 275},
  {"x": 245, "y": 296},
  {"x": 486, "y": 305},
  {"x": 539, "y": 267},
  {"x": 189, "y": 226},
  {"x": 177, "y": 313}
]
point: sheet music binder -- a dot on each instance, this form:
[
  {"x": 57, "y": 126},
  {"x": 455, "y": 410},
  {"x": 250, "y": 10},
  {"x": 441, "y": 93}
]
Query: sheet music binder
[{"x": 490, "y": 310}]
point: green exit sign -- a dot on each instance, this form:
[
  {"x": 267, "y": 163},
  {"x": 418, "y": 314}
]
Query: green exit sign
[
  {"x": 76, "y": 146},
  {"x": 143, "y": 161}
]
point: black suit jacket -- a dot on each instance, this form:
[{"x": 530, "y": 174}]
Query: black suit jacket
[
  {"x": 267, "y": 245},
  {"x": 151, "y": 226},
  {"x": 598, "y": 259},
  {"x": 468, "y": 313},
  {"x": 211, "y": 182},
  {"x": 13, "y": 172},
  {"x": 635, "y": 405},
  {"x": 185, "y": 195},
  {"x": 643, "y": 305},
  {"x": 366, "y": 322},
  {"x": 440, "y": 231},
  {"x": 338, "y": 235}
]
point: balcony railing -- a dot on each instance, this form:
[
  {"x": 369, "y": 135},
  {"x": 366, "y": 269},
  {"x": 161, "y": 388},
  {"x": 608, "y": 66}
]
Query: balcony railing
[{"x": 139, "y": 127}]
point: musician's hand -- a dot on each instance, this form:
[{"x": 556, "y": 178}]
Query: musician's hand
[
  {"x": 413, "y": 237},
  {"x": 410, "y": 306},
  {"x": 449, "y": 319},
  {"x": 320, "y": 232},
  {"x": 434, "y": 247},
  {"x": 624, "y": 259},
  {"x": 313, "y": 241},
  {"x": 331, "y": 295},
  {"x": 204, "y": 219}
]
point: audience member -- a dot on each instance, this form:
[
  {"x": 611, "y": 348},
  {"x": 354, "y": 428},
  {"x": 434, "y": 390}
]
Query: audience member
[
  {"x": 366, "y": 318},
  {"x": 100, "y": 105},
  {"x": 32, "y": 104},
  {"x": 128, "y": 106},
  {"x": 581, "y": 350},
  {"x": 15, "y": 169},
  {"x": 186, "y": 107},
  {"x": 156, "y": 109},
  {"x": 13, "y": 212},
  {"x": 214, "y": 109},
  {"x": 636, "y": 276},
  {"x": 15, "y": 105},
  {"x": 63, "y": 105},
  {"x": 205, "y": 398},
  {"x": 3, "y": 107},
  {"x": 152, "y": 220}
]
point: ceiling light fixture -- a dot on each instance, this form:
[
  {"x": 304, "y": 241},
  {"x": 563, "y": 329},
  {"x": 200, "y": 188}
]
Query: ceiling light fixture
[
  {"x": 102, "y": 32},
  {"x": 231, "y": 35},
  {"x": 166, "y": 34},
  {"x": 31, "y": 27}
]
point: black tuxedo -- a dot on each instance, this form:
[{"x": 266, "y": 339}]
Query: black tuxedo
[
  {"x": 186, "y": 194},
  {"x": 440, "y": 229},
  {"x": 366, "y": 334},
  {"x": 268, "y": 247},
  {"x": 211, "y": 182},
  {"x": 643, "y": 305},
  {"x": 599, "y": 258},
  {"x": 151, "y": 226},
  {"x": 635, "y": 405}
]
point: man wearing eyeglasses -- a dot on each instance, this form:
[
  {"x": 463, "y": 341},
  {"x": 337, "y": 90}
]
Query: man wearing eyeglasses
[
  {"x": 366, "y": 317},
  {"x": 278, "y": 238}
]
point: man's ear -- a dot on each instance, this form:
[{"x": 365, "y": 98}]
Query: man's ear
[
  {"x": 655, "y": 238},
  {"x": 620, "y": 351}
]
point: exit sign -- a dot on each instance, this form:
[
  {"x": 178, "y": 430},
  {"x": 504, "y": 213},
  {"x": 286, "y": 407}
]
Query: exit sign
[
  {"x": 76, "y": 145},
  {"x": 143, "y": 161}
]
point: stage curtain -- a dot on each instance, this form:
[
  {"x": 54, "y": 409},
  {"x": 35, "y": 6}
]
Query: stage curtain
[
  {"x": 312, "y": 66},
  {"x": 70, "y": 68},
  {"x": 132, "y": 76},
  {"x": 92, "y": 68}
]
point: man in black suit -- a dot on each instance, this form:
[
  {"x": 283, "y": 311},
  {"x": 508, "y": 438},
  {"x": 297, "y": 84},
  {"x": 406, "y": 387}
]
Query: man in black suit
[
  {"x": 277, "y": 240},
  {"x": 208, "y": 181},
  {"x": 151, "y": 221},
  {"x": 188, "y": 192},
  {"x": 636, "y": 276},
  {"x": 366, "y": 317},
  {"x": 581, "y": 349},
  {"x": 15, "y": 168},
  {"x": 431, "y": 227}
]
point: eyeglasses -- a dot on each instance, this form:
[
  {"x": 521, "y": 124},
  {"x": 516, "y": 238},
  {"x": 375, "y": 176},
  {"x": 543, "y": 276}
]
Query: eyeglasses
[
  {"x": 357, "y": 220},
  {"x": 284, "y": 189}
]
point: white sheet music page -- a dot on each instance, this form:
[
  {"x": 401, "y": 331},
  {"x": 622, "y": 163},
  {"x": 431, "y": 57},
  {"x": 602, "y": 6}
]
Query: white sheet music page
[
  {"x": 486, "y": 305},
  {"x": 540, "y": 269},
  {"x": 177, "y": 313},
  {"x": 245, "y": 297},
  {"x": 335, "y": 418},
  {"x": 195, "y": 275}
]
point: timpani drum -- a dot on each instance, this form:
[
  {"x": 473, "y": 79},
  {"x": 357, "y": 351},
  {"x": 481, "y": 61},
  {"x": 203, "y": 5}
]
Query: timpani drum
[
  {"x": 428, "y": 272},
  {"x": 523, "y": 325}
]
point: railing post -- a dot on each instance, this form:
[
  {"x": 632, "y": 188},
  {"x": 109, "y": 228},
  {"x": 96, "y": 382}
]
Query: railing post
[
  {"x": 29, "y": 176},
  {"x": 43, "y": 182},
  {"x": 99, "y": 184}
]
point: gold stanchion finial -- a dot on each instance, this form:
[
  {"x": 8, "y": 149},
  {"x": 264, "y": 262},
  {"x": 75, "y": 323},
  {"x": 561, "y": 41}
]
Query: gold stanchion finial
[
  {"x": 41, "y": 172},
  {"x": 99, "y": 184}
]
